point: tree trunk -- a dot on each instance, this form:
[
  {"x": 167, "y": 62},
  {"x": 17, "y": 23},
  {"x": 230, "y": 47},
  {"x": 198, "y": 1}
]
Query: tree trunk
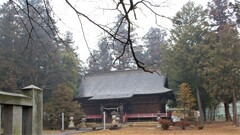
[
  {"x": 45, "y": 78},
  {"x": 204, "y": 114},
  {"x": 227, "y": 113},
  {"x": 234, "y": 107},
  {"x": 210, "y": 114},
  {"x": 200, "y": 107},
  {"x": 214, "y": 113}
]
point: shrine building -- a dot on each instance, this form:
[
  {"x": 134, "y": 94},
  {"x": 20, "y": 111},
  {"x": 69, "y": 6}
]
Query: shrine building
[{"x": 133, "y": 94}]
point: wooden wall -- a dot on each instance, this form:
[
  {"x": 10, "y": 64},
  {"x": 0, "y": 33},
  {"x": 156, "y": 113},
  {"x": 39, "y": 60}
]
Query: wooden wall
[
  {"x": 145, "y": 104},
  {"x": 136, "y": 104}
]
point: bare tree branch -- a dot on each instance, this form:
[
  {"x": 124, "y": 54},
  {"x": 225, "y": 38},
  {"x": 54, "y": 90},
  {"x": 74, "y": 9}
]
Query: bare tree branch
[
  {"x": 124, "y": 7},
  {"x": 85, "y": 39},
  {"x": 98, "y": 25},
  {"x": 49, "y": 23}
]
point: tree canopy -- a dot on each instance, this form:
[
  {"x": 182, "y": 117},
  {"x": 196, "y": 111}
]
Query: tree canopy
[
  {"x": 203, "y": 53},
  {"x": 30, "y": 56}
]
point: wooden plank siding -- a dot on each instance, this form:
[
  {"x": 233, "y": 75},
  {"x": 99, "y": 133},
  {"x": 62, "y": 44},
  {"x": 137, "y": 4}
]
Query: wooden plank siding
[{"x": 91, "y": 109}]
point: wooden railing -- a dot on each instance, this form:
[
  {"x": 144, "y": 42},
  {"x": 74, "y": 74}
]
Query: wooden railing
[
  {"x": 145, "y": 115},
  {"x": 125, "y": 117},
  {"x": 94, "y": 116}
]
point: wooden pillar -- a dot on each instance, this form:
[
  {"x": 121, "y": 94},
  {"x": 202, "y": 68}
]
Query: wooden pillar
[
  {"x": 34, "y": 114},
  {"x": 12, "y": 121}
]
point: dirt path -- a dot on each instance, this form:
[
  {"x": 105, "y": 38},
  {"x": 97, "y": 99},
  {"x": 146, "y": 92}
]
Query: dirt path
[{"x": 66, "y": 132}]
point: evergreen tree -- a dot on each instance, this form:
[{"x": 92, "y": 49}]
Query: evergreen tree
[
  {"x": 30, "y": 56},
  {"x": 120, "y": 48},
  {"x": 219, "y": 13},
  {"x": 153, "y": 39},
  {"x": 114, "y": 54},
  {"x": 221, "y": 66},
  {"x": 61, "y": 102},
  {"x": 185, "y": 97},
  {"x": 10, "y": 40},
  {"x": 181, "y": 58},
  {"x": 236, "y": 10},
  {"x": 102, "y": 59},
  {"x": 33, "y": 57}
]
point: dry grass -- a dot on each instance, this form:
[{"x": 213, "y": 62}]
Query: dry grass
[{"x": 213, "y": 128}]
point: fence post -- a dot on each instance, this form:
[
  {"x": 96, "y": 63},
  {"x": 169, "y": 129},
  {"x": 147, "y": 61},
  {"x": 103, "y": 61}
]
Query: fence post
[
  {"x": 33, "y": 116},
  {"x": 104, "y": 120},
  {"x": 62, "y": 122}
]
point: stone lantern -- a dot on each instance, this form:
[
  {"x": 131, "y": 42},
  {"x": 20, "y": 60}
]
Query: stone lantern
[
  {"x": 71, "y": 123},
  {"x": 114, "y": 116},
  {"x": 158, "y": 116},
  {"x": 83, "y": 120},
  {"x": 158, "y": 119}
]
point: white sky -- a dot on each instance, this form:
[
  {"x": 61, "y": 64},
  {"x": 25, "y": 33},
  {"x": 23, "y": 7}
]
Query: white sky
[
  {"x": 69, "y": 20},
  {"x": 92, "y": 8}
]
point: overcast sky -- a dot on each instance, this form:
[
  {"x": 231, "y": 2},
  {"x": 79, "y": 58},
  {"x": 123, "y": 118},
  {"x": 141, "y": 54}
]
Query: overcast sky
[
  {"x": 93, "y": 8},
  {"x": 68, "y": 21}
]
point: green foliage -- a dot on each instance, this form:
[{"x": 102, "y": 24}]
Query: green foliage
[
  {"x": 106, "y": 57},
  {"x": 207, "y": 60},
  {"x": 102, "y": 59},
  {"x": 236, "y": 8},
  {"x": 7, "y": 68},
  {"x": 222, "y": 63},
  {"x": 61, "y": 102},
  {"x": 48, "y": 62},
  {"x": 153, "y": 39},
  {"x": 181, "y": 57},
  {"x": 35, "y": 58},
  {"x": 21, "y": 51},
  {"x": 185, "y": 97},
  {"x": 219, "y": 13}
]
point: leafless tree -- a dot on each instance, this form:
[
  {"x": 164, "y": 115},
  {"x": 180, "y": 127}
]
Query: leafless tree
[{"x": 129, "y": 9}]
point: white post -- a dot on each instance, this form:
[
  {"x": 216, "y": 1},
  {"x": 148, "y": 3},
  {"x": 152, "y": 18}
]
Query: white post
[
  {"x": 62, "y": 122},
  {"x": 104, "y": 120}
]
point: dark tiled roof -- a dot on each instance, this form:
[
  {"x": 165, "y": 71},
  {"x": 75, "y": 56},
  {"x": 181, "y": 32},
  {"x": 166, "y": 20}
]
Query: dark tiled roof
[{"x": 121, "y": 84}]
